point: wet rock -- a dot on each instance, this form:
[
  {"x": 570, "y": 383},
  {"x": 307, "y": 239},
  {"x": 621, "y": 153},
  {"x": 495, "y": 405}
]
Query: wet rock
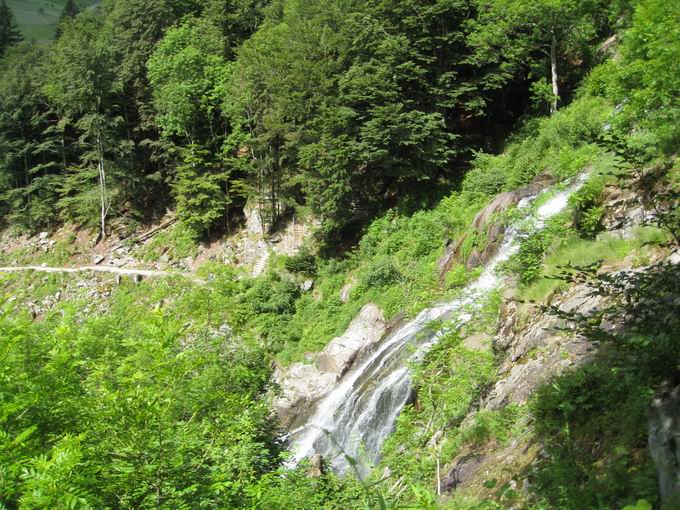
[
  {"x": 664, "y": 441},
  {"x": 302, "y": 384},
  {"x": 364, "y": 330},
  {"x": 346, "y": 290},
  {"x": 499, "y": 204},
  {"x": 463, "y": 470},
  {"x": 487, "y": 222},
  {"x": 452, "y": 255},
  {"x": 317, "y": 466}
]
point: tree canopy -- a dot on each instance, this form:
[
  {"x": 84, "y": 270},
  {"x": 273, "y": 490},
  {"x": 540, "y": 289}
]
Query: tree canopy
[
  {"x": 336, "y": 109},
  {"x": 9, "y": 33}
]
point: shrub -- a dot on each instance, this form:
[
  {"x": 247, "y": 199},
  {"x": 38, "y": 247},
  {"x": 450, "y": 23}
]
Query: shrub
[
  {"x": 588, "y": 210},
  {"x": 273, "y": 295},
  {"x": 381, "y": 273},
  {"x": 303, "y": 263}
]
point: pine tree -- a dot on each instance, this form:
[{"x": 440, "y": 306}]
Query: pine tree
[
  {"x": 71, "y": 10},
  {"x": 81, "y": 86},
  {"x": 9, "y": 33}
]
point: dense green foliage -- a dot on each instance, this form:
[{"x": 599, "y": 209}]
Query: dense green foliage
[
  {"x": 338, "y": 109},
  {"x": 158, "y": 395},
  {"x": 39, "y": 20},
  {"x": 70, "y": 11},
  {"x": 145, "y": 419},
  {"x": 148, "y": 406},
  {"x": 9, "y": 33}
]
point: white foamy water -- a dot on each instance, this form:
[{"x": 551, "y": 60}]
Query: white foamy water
[{"x": 356, "y": 417}]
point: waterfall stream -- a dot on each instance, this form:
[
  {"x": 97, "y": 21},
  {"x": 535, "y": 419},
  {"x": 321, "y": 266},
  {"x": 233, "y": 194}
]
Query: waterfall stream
[{"x": 356, "y": 417}]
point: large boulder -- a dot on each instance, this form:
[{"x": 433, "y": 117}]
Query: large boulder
[
  {"x": 533, "y": 349},
  {"x": 366, "y": 329},
  {"x": 500, "y": 203},
  {"x": 302, "y": 384},
  {"x": 488, "y": 223}
]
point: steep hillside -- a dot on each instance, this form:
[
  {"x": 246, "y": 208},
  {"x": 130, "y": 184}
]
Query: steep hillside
[
  {"x": 508, "y": 410},
  {"x": 37, "y": 19},
  {"x": 329, "y": 254}
]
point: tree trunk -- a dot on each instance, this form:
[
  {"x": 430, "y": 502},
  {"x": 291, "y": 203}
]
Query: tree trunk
[
  {"x": 129, "y": 139},
  {"x": 553, "y": 72},
  {"x": 27, "y": 178},
  {"x": 104, "y": 209}
]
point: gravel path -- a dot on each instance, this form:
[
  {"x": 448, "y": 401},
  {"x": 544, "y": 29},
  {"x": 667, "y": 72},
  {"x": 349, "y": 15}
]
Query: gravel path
[{"x": 98, "y": 269}]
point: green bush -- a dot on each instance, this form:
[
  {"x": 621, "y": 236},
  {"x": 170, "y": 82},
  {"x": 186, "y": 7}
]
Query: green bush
[
  {"x": 527, "y": 263},
  {"x": 303, "y": 263},
  {"x": 561, "y": 144},
  {"x": 593, "y": 424},
  {"x": 380, "y": 274},
  {"x": 135, "y": 408},
  {"x": 587, "y": 208},
  {"x": 273, "y": 295}
]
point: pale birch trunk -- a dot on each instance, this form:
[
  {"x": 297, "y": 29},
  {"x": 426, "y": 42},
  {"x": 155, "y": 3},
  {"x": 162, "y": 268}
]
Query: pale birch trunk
[
  {"x": 104, "y": 206},
  {"x": 553, "y": 72}
]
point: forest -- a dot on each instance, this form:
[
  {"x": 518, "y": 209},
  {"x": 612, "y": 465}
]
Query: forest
[
  {"x": 389, "y": 125},
  {"x": 341, "y": 108}
]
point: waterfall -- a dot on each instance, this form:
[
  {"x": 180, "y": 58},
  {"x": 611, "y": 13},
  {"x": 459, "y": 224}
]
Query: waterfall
[{"x": 355, "y": 418}]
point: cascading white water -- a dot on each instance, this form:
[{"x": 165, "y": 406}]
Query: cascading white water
[{"x": 355, "y": 418}]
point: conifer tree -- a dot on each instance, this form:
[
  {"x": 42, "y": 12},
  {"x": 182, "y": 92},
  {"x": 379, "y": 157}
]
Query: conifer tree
[
  {"x": 81, "y": 86},
  {"x": 9, "y": 33},
  {"x": 71, "y": 10}
]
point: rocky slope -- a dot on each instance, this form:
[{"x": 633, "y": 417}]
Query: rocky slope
[{"x": 532, "y": 348}]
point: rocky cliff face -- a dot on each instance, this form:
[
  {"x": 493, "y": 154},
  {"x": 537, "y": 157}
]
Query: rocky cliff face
[
  {"x": 488, "y": 223},
  {"x": 531, "y": 351},
  {"x": 302, "y": 384}
]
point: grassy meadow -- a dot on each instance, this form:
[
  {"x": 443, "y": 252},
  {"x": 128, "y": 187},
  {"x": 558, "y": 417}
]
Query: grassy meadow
[{"x": 37, "y": 19}]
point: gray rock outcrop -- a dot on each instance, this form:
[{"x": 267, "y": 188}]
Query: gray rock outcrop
[
  {"x": 487, "y": 223},
  {"x": 534, "y": 351},
  {"x": 303, "y": 384}
]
